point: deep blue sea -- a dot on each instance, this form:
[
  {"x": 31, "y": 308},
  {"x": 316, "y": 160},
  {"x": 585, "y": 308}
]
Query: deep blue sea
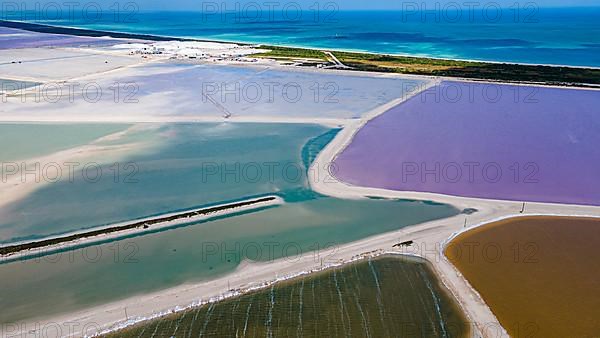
[{"x": 566, "y": 36}]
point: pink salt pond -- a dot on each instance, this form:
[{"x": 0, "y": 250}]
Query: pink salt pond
[{"x": 482, "y": 140}]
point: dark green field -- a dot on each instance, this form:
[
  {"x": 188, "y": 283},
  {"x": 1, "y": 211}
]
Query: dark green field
[{"x": 387, "y": 297}]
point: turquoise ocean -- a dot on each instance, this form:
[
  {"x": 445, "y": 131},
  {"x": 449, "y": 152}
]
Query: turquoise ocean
[{"x": 523, "y": 34}]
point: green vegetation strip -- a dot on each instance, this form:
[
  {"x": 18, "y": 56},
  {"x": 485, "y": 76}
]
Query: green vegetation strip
[
  {"x": 385, "y": 297},
  {"x": 448, "y": 68},
  {"x": 141, "y": 224},
  {"x": 291, "y": 53}
]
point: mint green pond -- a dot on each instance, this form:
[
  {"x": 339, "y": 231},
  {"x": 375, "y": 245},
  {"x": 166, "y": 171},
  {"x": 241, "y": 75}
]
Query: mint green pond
[
  {"x": 170, "y": 179},
  {"x": 24, "y": 141}
]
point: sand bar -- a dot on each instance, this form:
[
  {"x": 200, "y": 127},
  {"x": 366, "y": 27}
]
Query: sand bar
[{"x": 24, "y": 249}]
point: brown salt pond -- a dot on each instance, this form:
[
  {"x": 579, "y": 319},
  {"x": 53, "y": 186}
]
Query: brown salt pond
[{"x": 539, "y": 275}]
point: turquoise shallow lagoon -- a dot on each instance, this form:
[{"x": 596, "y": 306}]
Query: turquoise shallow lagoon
[
  {"x": 73, "y": 280},
  {"x": 186, "y": 166},
  {"x": 24, "y": 141},
  {"x": 10, "y": 85},
  {"x": 171, "y": 178}
]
